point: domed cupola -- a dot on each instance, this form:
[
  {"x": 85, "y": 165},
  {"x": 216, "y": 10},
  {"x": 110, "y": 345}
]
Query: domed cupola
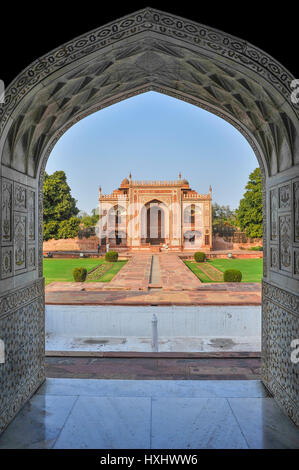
[{"x": 125, "y": 182}]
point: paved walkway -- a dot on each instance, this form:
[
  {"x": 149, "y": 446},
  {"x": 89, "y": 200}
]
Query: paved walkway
[
  {"x": 226, "y": 367},
  {"x": 157, "y": 414},
  {"x": 175, "y": 275},
  {"x": 68, "y": 293},
  {"x": 134, "y": 275}
]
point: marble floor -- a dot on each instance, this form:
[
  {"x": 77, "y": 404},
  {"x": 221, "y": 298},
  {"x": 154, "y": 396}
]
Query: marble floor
[{"x": 157, "y": 414}]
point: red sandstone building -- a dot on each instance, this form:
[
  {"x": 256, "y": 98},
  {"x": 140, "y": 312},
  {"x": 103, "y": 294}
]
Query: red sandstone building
[{"x": 146, "y": 215}]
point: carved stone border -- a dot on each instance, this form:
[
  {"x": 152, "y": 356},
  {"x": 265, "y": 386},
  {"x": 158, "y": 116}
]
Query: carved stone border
[
  {"x": 168, "y": 25},
  {"x": 21, "y": 296},
  {"x": 281, "y": 297}
]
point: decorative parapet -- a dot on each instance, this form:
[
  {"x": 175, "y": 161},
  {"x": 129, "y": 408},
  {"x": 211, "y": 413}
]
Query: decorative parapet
[
  {"x": 197, "y": 196},
  {"x": 158, "y": 183},
  {"x": 122, "y": 197}
]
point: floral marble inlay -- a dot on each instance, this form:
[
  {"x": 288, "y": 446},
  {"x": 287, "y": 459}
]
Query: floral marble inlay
[
  {"x": 285, "y": 242},
  {"x": 274, "y": 257},
  {"x": 296, "y": 211},
  {"x": 296, "y": 262},
  {"x": 20, "y": 241},
  {"x": 7, "y": 264},
  {"x": 19, "y": 197},
  {"x": 285, "y": 197},
  {"x": 273, "y": 216},
  {"x": 31, "y": 215},
  {"x": 6, "y": 211}
]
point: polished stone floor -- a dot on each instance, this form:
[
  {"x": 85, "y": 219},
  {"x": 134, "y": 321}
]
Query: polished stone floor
[{"x": 171, "y": 414}]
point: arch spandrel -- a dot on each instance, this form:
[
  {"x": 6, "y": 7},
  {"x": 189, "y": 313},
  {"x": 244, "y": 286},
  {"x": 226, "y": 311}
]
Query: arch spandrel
[
  {"x": 147, "y": 50},
  {"x": 151, "y": 48}
]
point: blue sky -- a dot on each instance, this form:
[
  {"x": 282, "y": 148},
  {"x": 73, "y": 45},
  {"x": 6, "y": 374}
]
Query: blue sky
[{"x": 155, "y": 137}]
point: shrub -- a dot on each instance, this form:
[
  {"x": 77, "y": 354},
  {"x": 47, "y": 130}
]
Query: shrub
[
  {"x": 232, "y": 275},
  {"x": 111, "y": 256},
  {"x": 199, "y": 256},
  {"x": 79, "y": 274},
  {"x": 256, "y": 248}
]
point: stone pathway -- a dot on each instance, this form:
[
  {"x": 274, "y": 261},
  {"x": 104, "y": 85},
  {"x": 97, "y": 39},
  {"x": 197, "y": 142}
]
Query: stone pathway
[
  {"x": 229, "y": 366},
  {"x": 67, "y": 293},
  {"x": 175, "y": 275},
  {"x": 135, "y": 274}
]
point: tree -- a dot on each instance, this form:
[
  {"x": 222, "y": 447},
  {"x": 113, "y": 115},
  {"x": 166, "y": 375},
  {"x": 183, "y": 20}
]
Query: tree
[
  {"x": 250, "y": 211},
  {"x": 89, "y": 220},
  {"x": 224, "y": 219},
  {"x": 59, "y": 205},
  {"x": 50, "y": 230},
  {"x": 69, "y": 228}
]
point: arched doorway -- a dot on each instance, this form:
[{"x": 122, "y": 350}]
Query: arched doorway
[
  {"x": 146, "y": 50},
  {"x": 116, "y": 226},
  {"x": 155, "y": 223}
]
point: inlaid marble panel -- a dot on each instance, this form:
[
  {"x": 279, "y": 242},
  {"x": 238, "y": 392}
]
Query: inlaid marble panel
[
  {"x": 20, "y": 202},
  {"x": 285, "y": 197},
  {"x": 6, "y": 262},
  {"x": 273, "y": 215},
  {"x": 20, "y": 221},
  {"x": 31, "y": 257},
  {"x": 296, "y": 263},
  {"x": 6, "y": 211},
  {"x": 31, "y": 215},
  {"x": 274, "y": 257},
  {"x": 280, "y": 327},
  {"x": 285, "y": 242},
  {"x": 22, "y": 329},
  {"x": 296, "y": 211}
]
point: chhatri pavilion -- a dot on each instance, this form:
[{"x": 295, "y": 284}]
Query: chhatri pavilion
[{"x": 151, "y": 215}]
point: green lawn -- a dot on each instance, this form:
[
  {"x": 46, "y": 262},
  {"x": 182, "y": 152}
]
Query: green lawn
[
  {"x": 56, "y": 270},
  {"x": 197, "y": 271},
  {"x": 251, "y": 269},
  {"x": 112, "y": 271}
]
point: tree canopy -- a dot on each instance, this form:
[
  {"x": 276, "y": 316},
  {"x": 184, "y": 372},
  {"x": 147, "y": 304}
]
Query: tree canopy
[
  {"x": 59, "y": 207},
  {"x": 224, "y": 219},
  {"x": 89, "y": 220},
  {"x": 250, "y": 212}
]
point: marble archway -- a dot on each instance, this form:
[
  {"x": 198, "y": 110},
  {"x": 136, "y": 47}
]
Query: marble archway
[{"x": 146, "y": 50}]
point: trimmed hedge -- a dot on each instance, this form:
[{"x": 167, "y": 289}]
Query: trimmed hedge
[
  {"x": 232, "y": 275},
  {"x": 111, "y": 256},
  {"x": 79, "y": 274},
  {"x": 256, "y": 248},
  {"x": 199, "y": 256}
]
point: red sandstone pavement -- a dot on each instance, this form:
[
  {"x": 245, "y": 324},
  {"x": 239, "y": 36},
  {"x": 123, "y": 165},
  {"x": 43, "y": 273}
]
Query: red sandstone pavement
[
  {"x": 220, "y": 294},
  {"x": 175, "y": 275},
  {"x": 135, "y": 274},
  {"x": 222, "y": 368}
]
